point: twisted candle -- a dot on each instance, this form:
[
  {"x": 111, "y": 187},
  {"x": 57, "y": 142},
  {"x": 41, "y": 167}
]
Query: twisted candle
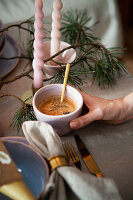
[
  {"x": 38, "y": 45},
  {"x": 56, "y": 25}
]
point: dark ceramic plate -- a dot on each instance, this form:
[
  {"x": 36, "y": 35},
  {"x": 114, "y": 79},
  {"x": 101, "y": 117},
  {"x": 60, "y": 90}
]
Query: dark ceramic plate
[
  {"x": 32, "y": 166},
  {"x": 11, "y": 50}
]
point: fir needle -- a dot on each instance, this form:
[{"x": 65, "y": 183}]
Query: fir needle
[{"x": 65, "y": 81}]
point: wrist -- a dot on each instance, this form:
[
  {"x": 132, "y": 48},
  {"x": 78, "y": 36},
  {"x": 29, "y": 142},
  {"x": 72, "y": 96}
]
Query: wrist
[
  {"x": 128, "y": 106},
  {"x": 119, "y": 107}
]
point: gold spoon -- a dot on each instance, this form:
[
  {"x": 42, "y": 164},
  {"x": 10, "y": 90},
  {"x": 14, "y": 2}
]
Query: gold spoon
[{"x": 65, "y": 81}]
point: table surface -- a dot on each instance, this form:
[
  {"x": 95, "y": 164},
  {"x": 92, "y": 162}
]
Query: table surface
[{"x": 110, "y": 145}]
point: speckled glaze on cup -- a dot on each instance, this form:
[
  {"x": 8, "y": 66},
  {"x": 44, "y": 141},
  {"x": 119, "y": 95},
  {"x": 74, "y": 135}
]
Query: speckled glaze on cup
[{"x": 60, "y": 123}]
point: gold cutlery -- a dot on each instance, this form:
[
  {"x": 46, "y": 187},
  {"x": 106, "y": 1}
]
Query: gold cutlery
[
  {"x": 71, "y": 154},
  {"x": 65, "y": 81},
  {"x": 87, "y": 158}
]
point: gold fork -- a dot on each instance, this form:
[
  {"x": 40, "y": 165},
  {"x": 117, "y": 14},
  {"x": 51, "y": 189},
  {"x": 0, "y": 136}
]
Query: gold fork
[{"x": 71, "y": 154}]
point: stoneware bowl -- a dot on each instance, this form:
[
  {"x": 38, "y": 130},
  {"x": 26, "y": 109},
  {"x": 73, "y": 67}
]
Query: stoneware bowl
[
  {"x": 30, "y": 164},
  {"x": 20, "y": 139},
  {"x": 60, "y": 123},
  {"x": 68, "y": 56}
]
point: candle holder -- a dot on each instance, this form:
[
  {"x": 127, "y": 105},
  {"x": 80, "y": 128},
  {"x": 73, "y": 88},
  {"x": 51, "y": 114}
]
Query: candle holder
[
  {"x": 68, "y": 56},
  {"x": 28, "y": 95}
]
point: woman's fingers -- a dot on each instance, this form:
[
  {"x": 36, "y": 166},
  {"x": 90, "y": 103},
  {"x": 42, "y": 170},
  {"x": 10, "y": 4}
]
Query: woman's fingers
[{"x": 85, "y": 119}]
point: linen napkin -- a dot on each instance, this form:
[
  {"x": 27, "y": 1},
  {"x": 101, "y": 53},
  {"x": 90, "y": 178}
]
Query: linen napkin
[{"x": 66, "y": 182}]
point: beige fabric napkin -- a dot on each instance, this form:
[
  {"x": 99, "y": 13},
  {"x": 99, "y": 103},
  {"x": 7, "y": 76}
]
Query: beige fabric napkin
[{"x": 66, "y": 182}]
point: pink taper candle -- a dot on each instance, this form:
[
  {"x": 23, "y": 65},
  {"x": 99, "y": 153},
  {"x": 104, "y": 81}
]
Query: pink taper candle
[
  {"x": 56, "y": 25},
  {"x": 38, "y": 45}
]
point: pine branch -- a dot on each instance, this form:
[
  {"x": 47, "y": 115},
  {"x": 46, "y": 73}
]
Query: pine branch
[
  {"x": 19, "y": 25},
  {"x": 92, "y": 58},
  {"x": 75, "y": 27},
  {"x": 25, "y": 113}
]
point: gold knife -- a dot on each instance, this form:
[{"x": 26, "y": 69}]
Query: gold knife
[{"x": 87, "y": 158}]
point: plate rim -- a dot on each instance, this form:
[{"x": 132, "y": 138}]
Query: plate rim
[
  {"x": 18, "y": 53},
  {"x": 40, "y": 156}
]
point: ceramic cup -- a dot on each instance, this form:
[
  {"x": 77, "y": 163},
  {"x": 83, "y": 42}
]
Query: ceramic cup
[
  {"x": 68, "y": 56},
  {"x": 60, "y": 123}
]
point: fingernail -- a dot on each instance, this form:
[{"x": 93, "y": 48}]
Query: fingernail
[{"x": 73, "y": 124}]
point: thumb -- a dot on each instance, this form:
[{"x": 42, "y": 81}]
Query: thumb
[{"x": 84, "y": 120}]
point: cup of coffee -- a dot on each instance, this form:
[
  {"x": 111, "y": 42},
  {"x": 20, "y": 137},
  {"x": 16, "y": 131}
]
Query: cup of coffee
[{"x": 48, "y": 107}]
